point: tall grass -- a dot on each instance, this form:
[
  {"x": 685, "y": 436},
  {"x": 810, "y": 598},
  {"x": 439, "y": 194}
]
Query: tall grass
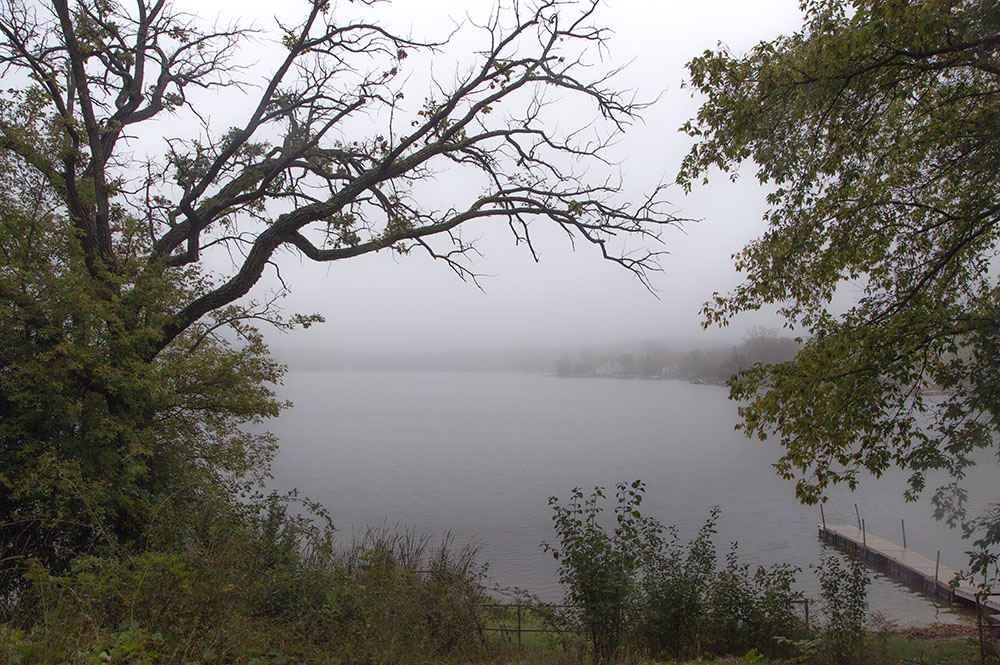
[{"x": 259, "y": 582}]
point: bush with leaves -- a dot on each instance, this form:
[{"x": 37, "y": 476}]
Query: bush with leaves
[
  {"x": 673, "y": 589},
  {"x": 687, "y": 606},
  {"x": 640, "y": 586},
  {"x": 599, "y": 568},
  {"x": 844, "y": 587},
  {"x": 747, "y": 610}
]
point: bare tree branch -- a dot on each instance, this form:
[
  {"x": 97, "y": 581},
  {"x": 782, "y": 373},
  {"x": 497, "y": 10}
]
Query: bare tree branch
[{"x": 289, "y": 176}]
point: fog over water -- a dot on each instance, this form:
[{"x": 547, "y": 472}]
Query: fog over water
[{"x": 479, "y": 454}]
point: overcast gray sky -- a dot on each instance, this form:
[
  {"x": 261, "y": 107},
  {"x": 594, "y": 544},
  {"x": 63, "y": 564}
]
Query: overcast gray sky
[{"x": 388, "y": 302}]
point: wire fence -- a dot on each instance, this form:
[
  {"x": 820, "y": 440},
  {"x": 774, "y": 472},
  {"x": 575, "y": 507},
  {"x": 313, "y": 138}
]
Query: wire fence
[
  {"x": 518, "y": 628},
  {"x": 520, "y": 609}
]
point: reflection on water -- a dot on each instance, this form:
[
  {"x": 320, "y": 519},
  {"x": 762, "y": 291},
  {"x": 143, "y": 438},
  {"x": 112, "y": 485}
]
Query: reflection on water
[{"x": 479, "y": 454}]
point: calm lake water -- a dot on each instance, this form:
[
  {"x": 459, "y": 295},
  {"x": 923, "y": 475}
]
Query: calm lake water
[{"x": 479, "y": 454}]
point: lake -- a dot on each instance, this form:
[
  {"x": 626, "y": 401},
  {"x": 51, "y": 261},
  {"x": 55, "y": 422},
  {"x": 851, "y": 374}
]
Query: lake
[{"x": 479, "y": 454}]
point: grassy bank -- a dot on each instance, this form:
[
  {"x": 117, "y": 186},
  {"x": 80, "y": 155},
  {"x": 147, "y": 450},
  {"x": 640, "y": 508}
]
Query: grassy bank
[
  {"x": 260, "y": 583},
  {"x": 256, "y": 583},
  {"x": 943, "y": 644},
  {"x": 894, "y": 649}
]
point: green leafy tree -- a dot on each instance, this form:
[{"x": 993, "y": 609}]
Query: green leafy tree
[
  {"x": 130, "y": 357},
  {"x": 876, "y": 130},
  {"x": 95, "y": 438}
]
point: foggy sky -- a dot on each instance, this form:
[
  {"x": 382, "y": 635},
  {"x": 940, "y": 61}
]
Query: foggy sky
[{"x": 403, "y": 303}]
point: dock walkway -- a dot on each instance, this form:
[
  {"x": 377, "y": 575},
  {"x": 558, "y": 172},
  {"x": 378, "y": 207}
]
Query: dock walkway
[{"x": 906, "y": 564}]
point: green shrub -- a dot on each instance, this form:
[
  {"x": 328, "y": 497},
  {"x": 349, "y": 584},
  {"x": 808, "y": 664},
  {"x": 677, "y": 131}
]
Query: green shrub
[
  {"x": 750, "y": 611},
  {"x": 687, "y": 606},
  {"x": 639, "y": 586},
  {"x": 844, "y": 588},
  {"x": 599, "y": 568},
  {"x": 674, "y": 589}
]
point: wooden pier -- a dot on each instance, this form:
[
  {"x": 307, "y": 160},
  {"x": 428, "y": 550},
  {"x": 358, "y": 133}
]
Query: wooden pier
[{"x": 907, "y": 565}]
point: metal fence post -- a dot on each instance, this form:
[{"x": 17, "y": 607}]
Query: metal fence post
[{"x": 519, "y": 626}]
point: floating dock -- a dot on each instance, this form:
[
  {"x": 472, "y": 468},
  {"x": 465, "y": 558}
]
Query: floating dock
[{"x": 907, "y": 565}]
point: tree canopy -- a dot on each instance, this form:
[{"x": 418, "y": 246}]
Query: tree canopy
[
  {"x": 122, "y": 273},
  {"x": 876, "y": 129}
]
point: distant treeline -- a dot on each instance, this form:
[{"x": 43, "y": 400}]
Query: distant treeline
[{"x": 654, "y": 360}]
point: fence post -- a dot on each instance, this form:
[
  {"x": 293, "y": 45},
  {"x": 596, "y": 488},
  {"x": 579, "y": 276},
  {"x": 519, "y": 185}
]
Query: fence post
[
  {"x": 808, "y": 628},
  {"x": 519, "y": 627},
  {"x": 903, "y": 522}
]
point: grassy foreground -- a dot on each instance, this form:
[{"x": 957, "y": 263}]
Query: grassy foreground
[
  {"x": 260, "y": 584},
  {"x": 940, "y": 644},
  {"x": 138, "y": 647}
]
